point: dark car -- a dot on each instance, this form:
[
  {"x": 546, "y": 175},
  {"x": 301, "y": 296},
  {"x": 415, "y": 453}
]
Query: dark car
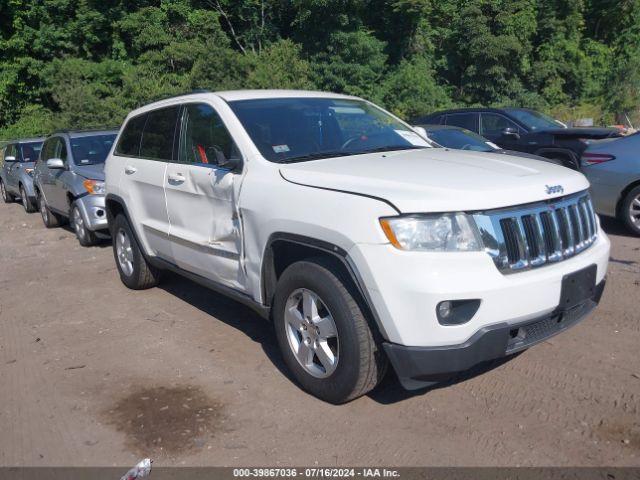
[
  {"x": 524, "y": 130},
  {"x": 459, "y": 138}
]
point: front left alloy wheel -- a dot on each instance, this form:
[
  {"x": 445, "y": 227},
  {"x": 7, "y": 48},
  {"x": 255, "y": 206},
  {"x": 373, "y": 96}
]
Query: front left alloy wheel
[
  {"x": 85, "y": 236},
  {"x": 26, "y": 202},
  {"x": 323, "y": 334}
]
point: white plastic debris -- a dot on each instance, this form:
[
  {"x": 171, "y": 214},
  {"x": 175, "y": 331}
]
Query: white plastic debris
[{"x": 141, "y": 470}]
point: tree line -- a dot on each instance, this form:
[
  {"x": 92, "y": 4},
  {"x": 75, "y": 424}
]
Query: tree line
[{"x": 86, "y": 63}]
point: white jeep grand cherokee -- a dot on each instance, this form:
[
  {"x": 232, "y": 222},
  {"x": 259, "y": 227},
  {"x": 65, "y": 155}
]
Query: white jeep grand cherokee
[{"x": 364, "y": 243}]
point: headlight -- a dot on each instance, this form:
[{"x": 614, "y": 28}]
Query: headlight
[
  {"x": 94, "y": 187},
  {"x": 29, "y": 171},
  {"x": 442, "y": 232}
]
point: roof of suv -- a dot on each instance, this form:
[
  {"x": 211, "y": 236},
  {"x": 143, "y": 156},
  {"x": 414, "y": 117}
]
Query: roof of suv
[
  {"x": 234, "y": 95},
  {"x": 27, "y": 140},
  {"x": 86, "y": 133}
]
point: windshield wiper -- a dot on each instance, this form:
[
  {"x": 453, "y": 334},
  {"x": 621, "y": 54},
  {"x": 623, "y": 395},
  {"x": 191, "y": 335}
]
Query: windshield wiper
[
  {"x": 317, "y": 156},
  {"x": 392, "y": 148}
]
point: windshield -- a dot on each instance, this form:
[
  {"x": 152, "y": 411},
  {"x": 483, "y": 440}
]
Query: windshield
[
  {"x": 91, "y": 150},
  {"x": 30, "y": 151},
  {"x": 300, "y": 129},
  {"x": 534, "y": 120},
  {"x": 459, "y": 139}
]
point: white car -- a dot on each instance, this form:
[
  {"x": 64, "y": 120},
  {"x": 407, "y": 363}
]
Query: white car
[{"x": 359, "y": 240}]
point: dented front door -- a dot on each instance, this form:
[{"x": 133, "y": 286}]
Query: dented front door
[{"x": 204, "y": 225}]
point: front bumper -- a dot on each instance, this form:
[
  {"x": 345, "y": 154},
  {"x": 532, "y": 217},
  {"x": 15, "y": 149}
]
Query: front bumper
[
  {"x": 92, "y": 208},
  {"x": 418, "y": 367}
]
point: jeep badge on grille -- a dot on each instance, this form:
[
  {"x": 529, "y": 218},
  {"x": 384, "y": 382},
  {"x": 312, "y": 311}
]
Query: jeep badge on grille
[{"x": 551, "y": 189}]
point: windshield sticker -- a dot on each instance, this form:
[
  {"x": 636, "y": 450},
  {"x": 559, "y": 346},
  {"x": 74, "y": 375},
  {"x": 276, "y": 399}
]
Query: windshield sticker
[
  {"x": 413, "y": 138},
  {"x": 281, "y": 148}
]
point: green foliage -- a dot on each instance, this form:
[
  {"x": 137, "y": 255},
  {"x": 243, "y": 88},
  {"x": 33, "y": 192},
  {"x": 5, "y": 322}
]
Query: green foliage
[{"x": 84, "y": 63}]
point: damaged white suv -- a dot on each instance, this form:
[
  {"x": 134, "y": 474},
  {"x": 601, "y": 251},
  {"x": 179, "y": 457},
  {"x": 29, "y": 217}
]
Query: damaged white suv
[{"x": 364, "y": 243}]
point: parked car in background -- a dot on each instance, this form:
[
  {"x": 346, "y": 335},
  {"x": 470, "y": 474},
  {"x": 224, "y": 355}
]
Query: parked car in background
[
  {"x": 16, "y": 176},
  {"x": 363, "y": 243},
  {"x": 69, "y": 181},
  {"x": 613, "y": 168},
  {"x": 524, "y": 130},
  {"x": 460, "y": 138}
]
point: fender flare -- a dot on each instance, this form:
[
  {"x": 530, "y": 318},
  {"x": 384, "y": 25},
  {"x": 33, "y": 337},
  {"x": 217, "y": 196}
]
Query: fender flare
[{"x": 269, "y": 280}]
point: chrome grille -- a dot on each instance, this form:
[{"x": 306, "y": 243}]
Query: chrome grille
[{"x": 534, "y": 235}]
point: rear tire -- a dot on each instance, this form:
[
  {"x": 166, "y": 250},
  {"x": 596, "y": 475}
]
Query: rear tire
[
  {"x": 86, "y": 237},
  {"x": 135, "y": 272},
  {"x": 630, "y": 210},
  {"x": 356, "y": 363},
  {"x": 6, "y": 196},
  {"x": 50, "y": 219},
  {"x": 28, "y": 205}
]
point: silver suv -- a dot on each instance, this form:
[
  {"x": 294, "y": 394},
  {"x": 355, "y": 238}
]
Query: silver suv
[
  {"x": 16, "y": 175},
  {"x": 69, "y": 181}
]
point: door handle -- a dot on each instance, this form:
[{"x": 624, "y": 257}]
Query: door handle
[
  {"x": 176, "y": 178},
  {"x": 130, "y": 170}
]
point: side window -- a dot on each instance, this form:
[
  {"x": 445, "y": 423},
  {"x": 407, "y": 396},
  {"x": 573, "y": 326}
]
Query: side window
[
  {"x": 129, "y": 143},
  {"x": 203, "y": 136},
  {"x": 47, "y": 149},
  {"x": 10, "y": 151},
  {"x": 464, "y": 120},
  {"x": 60, "y": 149},
  {"x": 158, "y": 133},
  {"x": 494, "y": 124}
]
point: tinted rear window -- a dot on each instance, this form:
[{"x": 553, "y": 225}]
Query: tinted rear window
[
  {"x": 157, "y": 137},
  {"x": 129, "y": 143}
]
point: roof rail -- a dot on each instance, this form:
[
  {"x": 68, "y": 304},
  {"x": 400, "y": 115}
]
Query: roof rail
[
  {"x": 84, "y": 130},
  {"x": 192, "y": 92}
]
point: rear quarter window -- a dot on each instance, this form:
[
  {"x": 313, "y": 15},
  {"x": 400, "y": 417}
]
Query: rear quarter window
[
  {"x": 158, "y": 134},
  {"x": 129, "y": 143}
]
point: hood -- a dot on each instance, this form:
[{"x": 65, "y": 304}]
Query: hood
[
  {"x": 439, "y": 180},
  {"x": 584, "y": 132},
  {"x": 92, "y": 172}
]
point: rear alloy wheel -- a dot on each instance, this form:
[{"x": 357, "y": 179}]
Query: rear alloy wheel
[
  {"x": 26, "y": 203},
  {"x": 630, "y": 211},
  {"x": 135, "y": 272},
  {"x": 6, "y": 196},
  {"x": 85, "y": 236}
]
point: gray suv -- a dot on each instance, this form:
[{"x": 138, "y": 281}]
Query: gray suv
[
  {"x": 69, "y": 181},
  {"x": 16, "y": 175}
]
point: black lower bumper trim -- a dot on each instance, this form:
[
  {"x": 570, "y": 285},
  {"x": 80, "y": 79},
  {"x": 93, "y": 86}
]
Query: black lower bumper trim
[{"x": 422, "y": 366}]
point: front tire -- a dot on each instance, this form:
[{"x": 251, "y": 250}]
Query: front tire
[
  {"x": 323, "y": 334},
  {"x": 6, "y": 196},
  {"x": 26, "y": 202},
  {"x": 135, "y": 272},
  {"x": 85, "y": 237},
  {"x": 630, "y": 210}
]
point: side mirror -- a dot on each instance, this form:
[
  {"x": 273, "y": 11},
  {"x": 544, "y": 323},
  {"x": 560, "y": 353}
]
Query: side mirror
[
  {"x": 421, "y": 131},
  {"x": 231, "y": 164},
  {"x": 511, "y": 132},
  {"x": 55, "y": 164},
  {"x": 10, "y": 159}
]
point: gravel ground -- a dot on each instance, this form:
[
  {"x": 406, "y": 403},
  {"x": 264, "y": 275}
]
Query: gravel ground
[{"x": 94, "y": 374}]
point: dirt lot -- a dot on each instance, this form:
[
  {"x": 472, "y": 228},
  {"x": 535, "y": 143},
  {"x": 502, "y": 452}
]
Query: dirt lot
[{"x": 94, "y": 374}]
